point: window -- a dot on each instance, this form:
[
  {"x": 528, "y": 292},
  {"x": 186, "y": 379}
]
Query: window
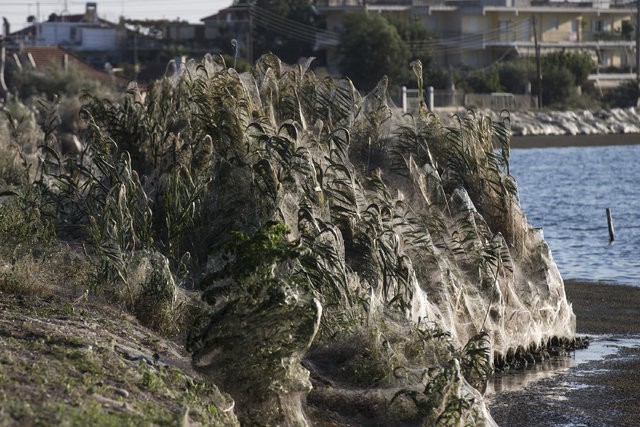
[
  {"x": 597, "y": 26},
  {"x": 504, "y": 30}
]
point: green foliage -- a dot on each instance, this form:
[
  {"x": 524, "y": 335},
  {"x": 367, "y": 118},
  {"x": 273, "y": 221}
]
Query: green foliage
[
  {"x": 288, "y": 47},
  {"x": 516, "y": 74},
  {"x": 55, "y": 80},
  {"x": 579, "y": 65},
  {"x": 418, "y": 39},
  {"x": 625, "y": 95},
  {"x": 258, "y": 254},
  {"x": 442, "y": 401},
  {"x": 557, "y": 85},
  {"x": 370, "y": 48},
  {"x": 22, "y": 223},
  {"x": 275, "y": 192},
  {"x": 439, "y": 77},
  {"x": 475, "y": 361},
  {"x": 626, "y": 30},
  {"x": 562, "y": 73},
  {"x": 206, "y": 153},
  {"x": 482, "y": 81}
]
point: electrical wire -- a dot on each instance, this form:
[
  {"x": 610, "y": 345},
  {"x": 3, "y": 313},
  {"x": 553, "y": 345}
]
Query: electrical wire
[{"x": 452, "y": 45}]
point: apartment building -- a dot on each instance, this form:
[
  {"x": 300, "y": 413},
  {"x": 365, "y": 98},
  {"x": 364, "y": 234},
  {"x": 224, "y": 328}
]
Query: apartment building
[{"x": 480, "y": 32}]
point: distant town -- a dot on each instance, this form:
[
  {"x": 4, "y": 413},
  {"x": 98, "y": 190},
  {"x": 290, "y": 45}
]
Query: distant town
[{"x": 457, "y": 40}]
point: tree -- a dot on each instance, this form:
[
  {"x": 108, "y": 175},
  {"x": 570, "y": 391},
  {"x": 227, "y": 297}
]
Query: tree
[
  {"x": 557, "y": 84},
  {"x": 624, "y": 96},
  {"x": 579, "y": 64},
  {"x": 516, "y": 74},
  {"x": 273, "y": 33},
  {"x": 562, "y": 72},
  {"x": 419, "y": 41},
  {"x": 626, "y": 30},
  {"x": 482, "y": 81},
  {"x": 370, "y": 48}
]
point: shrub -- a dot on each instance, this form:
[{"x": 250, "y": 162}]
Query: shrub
[
  {"x": 579, "y": 64},
  {"x": 276, "y": 193},
  {"x": 557, "y": 85},
  {"x": 516, "y": 75},
  {"x": 53, "y": 81},
  {"x": 482, "y": 81},
  {"x": 625, "y": 95}
]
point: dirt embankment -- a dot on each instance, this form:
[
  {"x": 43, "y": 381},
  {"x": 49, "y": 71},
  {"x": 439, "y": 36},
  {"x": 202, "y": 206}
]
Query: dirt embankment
[{"x": 79, "y": 364}]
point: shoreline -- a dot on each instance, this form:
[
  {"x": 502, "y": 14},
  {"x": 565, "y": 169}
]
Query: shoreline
[
  {"x": 547, "y": 141},
  {"x": 600, "y": 392},
  {"x": 603, "y": 308}
]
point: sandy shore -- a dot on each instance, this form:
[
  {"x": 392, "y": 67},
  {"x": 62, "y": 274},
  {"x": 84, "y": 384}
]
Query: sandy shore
[
  {"x": 543, "y": 141},
  {"x": 603, "y": 392},
  {"x": 603, "y": 308}
]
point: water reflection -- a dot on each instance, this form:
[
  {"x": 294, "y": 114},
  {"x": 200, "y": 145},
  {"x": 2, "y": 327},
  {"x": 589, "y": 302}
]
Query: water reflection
[
  {"x": 518, "y": 379},
  {"x": 600, "y": 347}
]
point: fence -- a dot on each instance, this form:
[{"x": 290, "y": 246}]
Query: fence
[{"x": 443, "y": 98}]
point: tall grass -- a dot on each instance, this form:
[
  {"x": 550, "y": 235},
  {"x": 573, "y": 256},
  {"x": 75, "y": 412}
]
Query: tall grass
[{"x": 278, "y": 191}]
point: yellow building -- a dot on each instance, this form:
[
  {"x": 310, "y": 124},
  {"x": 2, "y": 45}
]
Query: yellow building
[{"x": 480, "y": 32}]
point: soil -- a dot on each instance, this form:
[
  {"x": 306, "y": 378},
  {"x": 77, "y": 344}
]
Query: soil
[
  {"x": 74, "y": 363},
  {"x": 83, "y": 364}
]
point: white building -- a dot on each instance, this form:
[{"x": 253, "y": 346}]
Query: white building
[{"x": 82, "y": 32}]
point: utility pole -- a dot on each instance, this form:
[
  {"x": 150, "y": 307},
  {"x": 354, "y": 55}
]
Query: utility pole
[
  {"x": 38, "y": 29},
  {"x": 538, "y": 65},
  {"x": 250, "y": 36},
  {"x": 136, "y": 66},
  {"x": 638, "y": 41},
  {"x": 3, "y": 85}
]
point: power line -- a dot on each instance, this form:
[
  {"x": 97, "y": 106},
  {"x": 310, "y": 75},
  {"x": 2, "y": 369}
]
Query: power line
[{"x": 459, "y": 44}]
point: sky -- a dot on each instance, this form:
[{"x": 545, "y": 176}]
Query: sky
[{"x": 16, "y": 11}]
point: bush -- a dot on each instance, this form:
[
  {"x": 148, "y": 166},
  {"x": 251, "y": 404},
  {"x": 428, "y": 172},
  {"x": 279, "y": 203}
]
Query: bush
[
  {"x": 516, "y": 75},
  {"x": 21, "y": 224},
  {"x": 202, "y": 179},
  {"x": 625, "y": 95},
  {"x": 557, "y": 86},
  {"x": 53, "y": 81},
  {"x": 438, "y": 77},
  {"x": 482, "y": 81},
  {"x": 579, "y": 64}
]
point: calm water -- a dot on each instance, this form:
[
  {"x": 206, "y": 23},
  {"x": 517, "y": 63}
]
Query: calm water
[{"x": 566, "y": 192}]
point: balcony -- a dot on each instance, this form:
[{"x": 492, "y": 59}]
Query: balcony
[
  {"x": 612, "y": 36},
  {"x": 323, "y": 4}
]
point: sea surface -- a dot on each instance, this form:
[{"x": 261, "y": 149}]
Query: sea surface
[{"x": 566, "y": 191}]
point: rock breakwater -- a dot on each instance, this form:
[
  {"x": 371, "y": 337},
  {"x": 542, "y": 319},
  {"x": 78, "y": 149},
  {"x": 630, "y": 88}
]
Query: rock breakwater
[{"x": 579, "y": 122}]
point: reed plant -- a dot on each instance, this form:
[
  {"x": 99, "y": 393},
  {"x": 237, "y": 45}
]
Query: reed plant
[{"x": 278, "y": 191}]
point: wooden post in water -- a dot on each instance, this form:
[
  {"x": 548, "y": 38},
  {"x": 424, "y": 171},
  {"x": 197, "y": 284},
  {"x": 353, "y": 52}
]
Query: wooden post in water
[{"x": 610, "y": 223}]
